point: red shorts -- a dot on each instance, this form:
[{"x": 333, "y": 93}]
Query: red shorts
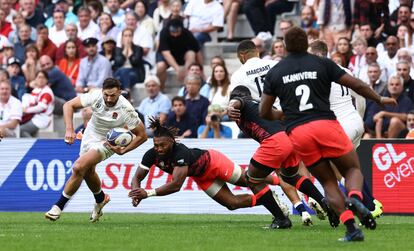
[
  {"x": 320, "y": 139},
  {"x": 276, "y": 151},
  {"x": 220, "y": 170}
]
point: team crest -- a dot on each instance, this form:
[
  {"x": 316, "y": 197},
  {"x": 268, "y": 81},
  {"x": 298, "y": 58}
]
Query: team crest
[
  {"x": 114, "y": 115},
  {"x": 98, "y": 105}
]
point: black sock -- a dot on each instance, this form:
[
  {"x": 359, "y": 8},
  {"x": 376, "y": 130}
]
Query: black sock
[
  {"x": 368, "y": 199},
  {"x": 308, "y": 188},
  {"x": 62, "y": 202},
  {"x": 99, "y": 197},
  {"x": 269, "y": 202},
  {"x": 300, "y": 208},
  {"x": 350, "y": 225}
]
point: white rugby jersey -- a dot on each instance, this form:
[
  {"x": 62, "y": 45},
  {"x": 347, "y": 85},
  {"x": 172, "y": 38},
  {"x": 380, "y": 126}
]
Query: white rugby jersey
[
  {"x": 252, "y": 75},
  {"x": 341, "y": 99},
  {"x": 105, "y": 118}
]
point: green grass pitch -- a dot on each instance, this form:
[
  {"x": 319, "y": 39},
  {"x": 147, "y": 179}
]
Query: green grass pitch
[{"x": 30, "y": 231}]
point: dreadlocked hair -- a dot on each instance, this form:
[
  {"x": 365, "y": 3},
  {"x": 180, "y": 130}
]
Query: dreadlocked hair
[{"x": 160, "y": 130}]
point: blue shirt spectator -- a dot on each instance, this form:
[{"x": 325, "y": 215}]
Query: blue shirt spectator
[
  {"x": 225, "y": 132},
  {"x": 213, "y": 127},
  {"x": 18, "y": 83},
  {"x": 181, "y": 119}
]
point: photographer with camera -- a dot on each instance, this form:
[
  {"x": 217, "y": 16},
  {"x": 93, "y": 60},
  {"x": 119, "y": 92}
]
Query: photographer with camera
[{"x": 213, "y": 127}]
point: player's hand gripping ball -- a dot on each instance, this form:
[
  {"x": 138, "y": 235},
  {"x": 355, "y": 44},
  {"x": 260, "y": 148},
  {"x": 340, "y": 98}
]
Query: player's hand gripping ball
[{"x": 119, "y": 137}]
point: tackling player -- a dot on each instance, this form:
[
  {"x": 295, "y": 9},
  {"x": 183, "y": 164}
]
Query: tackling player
[
  {"x": 109, "y": 110},
  {"x": 302, "y": 82},
  {"x": 350, "y": 120},
  {"x": 210, "y": 169}
]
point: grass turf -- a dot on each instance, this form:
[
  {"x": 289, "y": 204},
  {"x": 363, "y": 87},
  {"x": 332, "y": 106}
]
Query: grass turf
[{"x": 30, "y": 231}]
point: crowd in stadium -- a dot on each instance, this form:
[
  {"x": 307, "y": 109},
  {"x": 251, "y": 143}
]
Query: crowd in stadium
[{"x": 54, "y": 50}]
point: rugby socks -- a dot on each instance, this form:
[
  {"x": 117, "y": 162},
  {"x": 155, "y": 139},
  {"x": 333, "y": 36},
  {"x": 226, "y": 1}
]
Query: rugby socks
[
  {"x": 300, "y": 207},
  {"x": 64, "y": 198},
  {"x": 368, "y": 199},
  {"x": 99, "y": 196},
  {"x": 355, "y": 194},
  {"x": 347, "y": 218},
  {"x": 307, "y": 187},
  {"x": 265, "y": 198}
]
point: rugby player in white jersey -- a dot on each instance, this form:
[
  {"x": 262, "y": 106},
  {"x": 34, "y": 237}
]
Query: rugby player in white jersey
[
  {"x": 350, "y": 118},
  {"x": 251, "y": 74},
  {"x": 109, "y": 110}
]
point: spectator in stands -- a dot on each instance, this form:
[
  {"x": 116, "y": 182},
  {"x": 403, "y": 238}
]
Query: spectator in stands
[
  {"x": 144, "y": 19},
  {"x": 284, "y": 26},
  {"x": 6, "y": 52},
  {"x": 178, "y": 49},
  {"x": 220, "y": 82},
  {"x": 33, "y": 15},
  {"x": 72, "y": 34},
  {"x": 23, "y": 41},
  {"x": 31, "y": 66},
  {"x": 156, "y": 103},
  {"x": 343, "y": 46},
  {"x": 60, "y": 84},
  {"x": 108, "y": 49},
  {"x": 278, "y": 50},
  {"x": 389, "y": 57},
  {"x": 313, "y": 35},
  {"x": 213, "y": 127},
  {"x": 308, "y": 18},
  {"x": 17, "y": 80},
  {"x": 358, "y": 61},
  {"x": 403, "y": 18},
  {"x": 141, "y": 37},
  {"x": 94, "y": 68},
  {"x": 9, "y": 12},
  {"x": 116, "y": 12},
  {"x": 338, "y": 58},
  {"x": 107, "y": 28},
  {"x": 69, "y": 16},
  {"x": 57, "y": 32},
  {"x": 366, "y": 31},
  {"x": 44, "y": 44},
  {"x": 37, "y": 107},
  {"x": 231, "y": 10},
  {"x": 162, "y": 12},
  {"x": 205, "y": 17},
  {"x": 96, "y": 9},
  {"x": 404, "y": 54},
  {"x": 70, "y": 63},
  {"x": 196, "y": 104},
  {"x": 196, "y": 69},
  {"x": 405, "y": 37},
  {"x": 374, "y": 80},
  {"x": 389, "y": 121},
  {"x": 176, "y": 13},
  {"x": 371, "y": 56},
  {"x": 10, "y": 111},
  {"x": 5, "y": 27},
  {"x": 129, "y": 65},
  {"x": 86, "y": 26},
  {"x": 375, "y": 13},
  {"x": 403, "y": 70},
  {"x": 408, "y": 132},
  {"x": 181, "y": 119},
  {"x": 334, "y": 20},
  {"x": 18, "y": 21},
  {"x": 263, "y": 43}
]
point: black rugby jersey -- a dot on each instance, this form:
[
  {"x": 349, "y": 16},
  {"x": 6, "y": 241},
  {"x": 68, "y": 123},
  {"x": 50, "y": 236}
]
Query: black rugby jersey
[
  {"x": 303, "y": 82},
  {"x": 253, "y": 125},
  {"x": 196, "y": 159}
]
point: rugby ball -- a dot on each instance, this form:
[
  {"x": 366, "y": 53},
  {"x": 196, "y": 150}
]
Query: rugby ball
[{"x": 119, "y": 137}]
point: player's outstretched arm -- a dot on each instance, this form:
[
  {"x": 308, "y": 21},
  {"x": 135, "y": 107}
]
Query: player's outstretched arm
[
  {"x": 68, "y": 109},
  {"x": 139, "y": 175},
  {"x": 233, "y": 110},
  {"x": 364, "y": 90},
  {"x": 266, "y": 110}
]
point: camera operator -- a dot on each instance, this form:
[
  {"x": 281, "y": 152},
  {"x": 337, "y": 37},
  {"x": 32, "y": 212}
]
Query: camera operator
[{"x": 213, "y": 127}]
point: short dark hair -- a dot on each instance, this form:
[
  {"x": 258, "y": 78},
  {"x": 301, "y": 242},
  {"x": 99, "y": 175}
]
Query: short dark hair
[
  {"x": 246, "y": 46},
  {"x": 83, "y": 9},
  {"x": 110, "y": 83},
  {"x": 319, "y": 47},
  {"x": 44, "y": 74},
  {"x": 296, "y": 40},
  {"x": 160, "y": 130},
  {"x": 178, "y": 98},
  {"x": 40, "y": 27},
  {"x": 240, "y": 91},
  {"x": 410, "y": 112},
  {"x": 196, "y": 64}
]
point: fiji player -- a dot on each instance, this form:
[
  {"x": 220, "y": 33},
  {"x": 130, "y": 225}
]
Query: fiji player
[
  {"x": 109, "y": 110},
  {"x": 350, "y": 120}
]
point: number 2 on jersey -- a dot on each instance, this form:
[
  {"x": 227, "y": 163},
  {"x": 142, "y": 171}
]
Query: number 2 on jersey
[
  {"x": 259, "y": 83},
  {"x": 303, "y": 91}
]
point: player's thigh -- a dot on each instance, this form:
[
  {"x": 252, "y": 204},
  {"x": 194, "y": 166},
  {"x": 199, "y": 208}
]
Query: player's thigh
[
  {"x": 323, "y": 172},
  {"x": 353, "y": 127},
  {"x": 221, "y": 167},
  {"x": 86, "y": 162},
  {"x": 346, "y": 162}
]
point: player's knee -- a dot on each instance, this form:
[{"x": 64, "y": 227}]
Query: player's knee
[
  {"x": 78, "y": 169},
  {"x": 290, "y": 175}
]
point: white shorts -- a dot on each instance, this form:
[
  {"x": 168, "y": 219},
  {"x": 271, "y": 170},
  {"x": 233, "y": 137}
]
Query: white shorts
[
  {"x": 92, "y": 140},
  {"x": 353, "y": 127}
]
